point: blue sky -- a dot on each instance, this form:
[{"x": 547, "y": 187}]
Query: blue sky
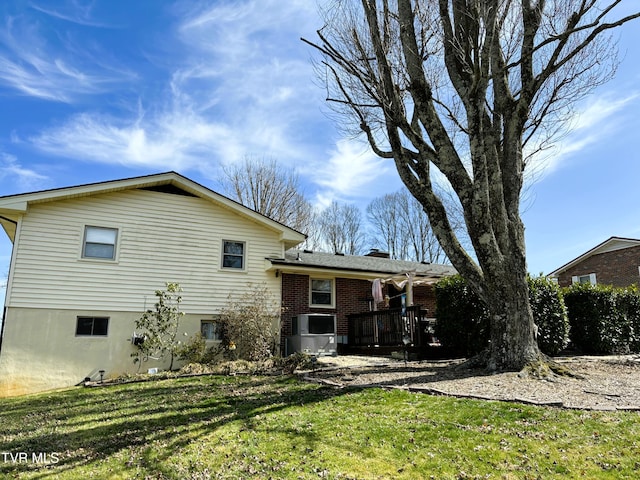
[{"x": 100, "y": 90}]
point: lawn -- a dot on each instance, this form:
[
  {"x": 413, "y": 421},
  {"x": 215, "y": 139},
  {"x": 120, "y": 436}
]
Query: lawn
[{"x": 278, "y": 427}]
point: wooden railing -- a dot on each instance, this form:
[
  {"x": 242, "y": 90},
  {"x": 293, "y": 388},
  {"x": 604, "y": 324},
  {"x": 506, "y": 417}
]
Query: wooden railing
[{"x": 387, "y": 328}]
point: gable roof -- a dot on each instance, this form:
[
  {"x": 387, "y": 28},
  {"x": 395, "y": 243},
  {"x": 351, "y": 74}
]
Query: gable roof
[
  {"x": 609, "y": 245},
  {"x": 12, "y": 207},
  {"x": 356, "y": 266}
]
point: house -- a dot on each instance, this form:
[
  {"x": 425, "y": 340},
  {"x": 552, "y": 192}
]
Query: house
[
  {"x": 616, "y": 261},
  {"x": 87, "y": 259},
  {"x": 317, "y": 283}
]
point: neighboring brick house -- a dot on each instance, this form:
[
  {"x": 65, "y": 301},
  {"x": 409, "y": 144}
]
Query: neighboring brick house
[
  {"x": 615, "y": 261},
  {"x": 341, "y": 285}
]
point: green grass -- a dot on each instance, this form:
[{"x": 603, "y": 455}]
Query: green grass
[{"x": 277, "y": 427}]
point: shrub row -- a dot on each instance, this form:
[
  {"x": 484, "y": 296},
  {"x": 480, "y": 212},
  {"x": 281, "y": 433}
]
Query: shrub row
[
  {"x": 604, "y": 320},
  {"x": 596, "y": 319}
]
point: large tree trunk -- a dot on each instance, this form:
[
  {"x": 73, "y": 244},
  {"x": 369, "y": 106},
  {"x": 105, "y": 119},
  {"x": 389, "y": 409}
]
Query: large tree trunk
[{"x": 513, "y": 343}]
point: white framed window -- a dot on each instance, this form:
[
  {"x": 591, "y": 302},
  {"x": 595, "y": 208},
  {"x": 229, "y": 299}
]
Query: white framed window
[
  {"x": 210, "y": 330},
  {"x": 92, "y": 326},
  {"x": 589, "y": 278},
  {"x": 321, "y": 292},
  {"x": 233, "y": 254},
  {"x": 99, "y": 242}
]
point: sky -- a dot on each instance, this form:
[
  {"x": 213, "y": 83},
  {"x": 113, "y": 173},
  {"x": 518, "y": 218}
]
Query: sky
[{"x": 100, "y": 90}]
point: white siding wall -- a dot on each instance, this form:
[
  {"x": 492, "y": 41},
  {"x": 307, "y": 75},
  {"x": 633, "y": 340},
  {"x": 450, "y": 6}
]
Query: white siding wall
[{"x": 161, "y": 237}]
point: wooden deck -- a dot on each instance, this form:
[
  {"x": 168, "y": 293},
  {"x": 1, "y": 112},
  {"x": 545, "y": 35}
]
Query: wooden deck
[{"x": 385, "y": 331}]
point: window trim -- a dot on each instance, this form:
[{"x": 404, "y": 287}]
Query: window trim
[
  {"x": 333, "y": 293},
  {"x": 83, "y": 247},
  {"x": 223, "y": 254},
  {"x": 93, "y": 319}
]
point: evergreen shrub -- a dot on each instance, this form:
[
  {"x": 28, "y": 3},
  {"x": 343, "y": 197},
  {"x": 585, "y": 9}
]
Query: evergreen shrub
[
  {"x": 604, "y": 320},
  {"x": 549, "y": 315},
  {"x": 463, "y": 319}
]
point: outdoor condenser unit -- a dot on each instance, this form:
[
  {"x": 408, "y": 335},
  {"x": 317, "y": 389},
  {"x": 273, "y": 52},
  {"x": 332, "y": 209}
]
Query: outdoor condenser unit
[{"x": 313, "y": 333}]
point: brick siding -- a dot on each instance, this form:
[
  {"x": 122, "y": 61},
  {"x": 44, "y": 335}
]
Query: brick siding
[
  {"x": 352, "y": 296},
  {"x": 618, "y": 268}
]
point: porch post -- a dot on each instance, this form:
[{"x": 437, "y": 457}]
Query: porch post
[{"x": 410, "y": 290}]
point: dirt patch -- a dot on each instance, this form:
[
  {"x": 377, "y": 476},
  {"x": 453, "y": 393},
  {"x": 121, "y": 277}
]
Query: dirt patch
[{"x": 604, "y": 383}]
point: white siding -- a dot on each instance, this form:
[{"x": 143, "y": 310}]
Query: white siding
[{"x": 161, "y": 238}]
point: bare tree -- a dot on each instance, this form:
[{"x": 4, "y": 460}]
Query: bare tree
[
  {"x": 383, "y": 215},
  {"x": 270, "y": 189},
  {"x": 340, "y": 228},
  {"x": 470, "y": 90}
]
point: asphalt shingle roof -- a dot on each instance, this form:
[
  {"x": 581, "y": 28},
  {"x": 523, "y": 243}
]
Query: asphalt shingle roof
[{"x": 361, "y": 263}]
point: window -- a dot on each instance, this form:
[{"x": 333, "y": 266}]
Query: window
[
  {"x": 100, "y": 242},
  {"x": 589, "y": 278},
  {"x": 92, "y": 326},
  {"x": 321, "y": 292},
  {"x": 210, "y": 330},
  {"x": 233, "y": 254}
]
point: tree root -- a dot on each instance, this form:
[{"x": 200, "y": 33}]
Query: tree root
[
  {"x": 547, "y": 368},
  {"x": 544, "y": 367}
]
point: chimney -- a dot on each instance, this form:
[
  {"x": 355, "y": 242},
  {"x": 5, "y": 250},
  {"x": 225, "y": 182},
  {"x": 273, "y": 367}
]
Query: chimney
[{"x": 377, "y": 253}]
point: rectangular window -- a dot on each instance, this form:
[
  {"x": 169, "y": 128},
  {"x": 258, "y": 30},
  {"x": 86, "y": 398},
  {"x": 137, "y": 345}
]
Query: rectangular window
[
  {"x": 233, "y": 254},
  {"x": 590, "y": 278},
  {"x": 100, "y": 242},
  {"x": 210, "y": 330},
  {"x": 321, "y": 292},
  {"x": 92, "y": 326}
]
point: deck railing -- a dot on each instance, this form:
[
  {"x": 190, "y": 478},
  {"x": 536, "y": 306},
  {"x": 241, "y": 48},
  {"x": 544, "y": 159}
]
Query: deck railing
[{"x": 387, "y": 328}]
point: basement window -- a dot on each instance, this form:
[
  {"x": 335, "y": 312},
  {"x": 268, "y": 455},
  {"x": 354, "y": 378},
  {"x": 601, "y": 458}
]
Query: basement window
[
  {"x": 92, "y": 326},
  {"x": 210, "y": 330}
]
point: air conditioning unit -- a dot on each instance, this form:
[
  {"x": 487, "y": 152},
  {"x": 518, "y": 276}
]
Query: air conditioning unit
[{"x": 313, "y": 333}]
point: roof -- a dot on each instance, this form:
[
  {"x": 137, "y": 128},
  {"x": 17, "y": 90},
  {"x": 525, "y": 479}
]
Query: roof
[
  {"x": 305, "y": 261},
  {"x": 609, "y": 245},
  {"x": 12, "y": 207}
]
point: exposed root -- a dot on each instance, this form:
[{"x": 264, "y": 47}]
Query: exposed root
[
  {"x": 542, "y": 368},
  {"x": 547, "y": 368}
]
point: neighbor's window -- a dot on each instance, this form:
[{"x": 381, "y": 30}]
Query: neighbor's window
[
  {"x": 210, "y": 330},
  {"x": 92, "y": 326},
  {"x": 590, "y": 278},
  {"x": 100, "y": 242},
  {"x": 233, "y": 254},
  {"x": 321, "y": 292}
]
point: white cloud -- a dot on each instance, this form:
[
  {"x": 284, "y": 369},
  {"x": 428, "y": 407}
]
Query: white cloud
[
  {"x": 23, "y": 178},
  {"x": 175, "y": 139},
  {"x": 599, "y": 119},
  {"x": 241, "y": 84},
  {"x": 352, "y": 172},
  {"x": 30, "y": 64}
]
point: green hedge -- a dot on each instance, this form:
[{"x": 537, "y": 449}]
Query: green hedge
[
  {"x": 462, "y": 324},
  {"x": 604, "y": 319},
  {"x": 463, "y": 321},
  {"x": 549, "y": 314}
]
